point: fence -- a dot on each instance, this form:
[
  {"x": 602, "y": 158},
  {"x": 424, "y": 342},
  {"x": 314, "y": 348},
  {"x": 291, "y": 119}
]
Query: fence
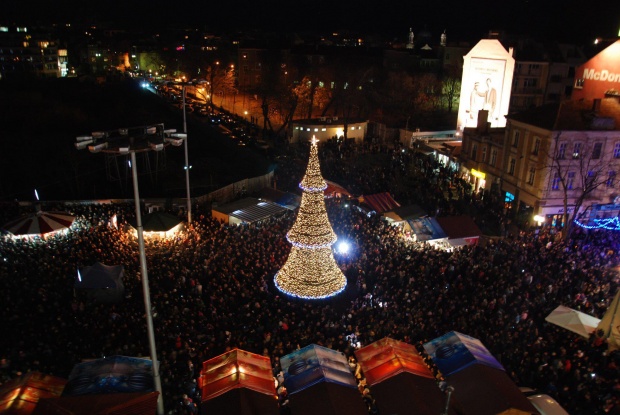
[{"x": 238, "y": 189}]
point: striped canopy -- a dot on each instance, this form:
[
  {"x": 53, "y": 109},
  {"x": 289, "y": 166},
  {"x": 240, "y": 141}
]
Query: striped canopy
[{"x": 39, "y": 223}]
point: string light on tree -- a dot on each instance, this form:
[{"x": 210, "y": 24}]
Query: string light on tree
[
  {"x": 311, "y": 272},
  {"x": 611, "y": 224}
]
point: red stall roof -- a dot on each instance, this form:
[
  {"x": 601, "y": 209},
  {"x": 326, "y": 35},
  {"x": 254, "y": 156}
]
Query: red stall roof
[
  {"x": 21, "y": 395},
  {"x": 388, "y": 357},
  {"x": 236, "y": 369}
]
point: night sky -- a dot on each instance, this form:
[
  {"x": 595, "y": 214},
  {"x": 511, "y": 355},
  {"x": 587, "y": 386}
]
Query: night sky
[{"x": 554, "y": 19}]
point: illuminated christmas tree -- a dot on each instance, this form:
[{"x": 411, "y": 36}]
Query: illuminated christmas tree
[{"x": 311, "y": 270}]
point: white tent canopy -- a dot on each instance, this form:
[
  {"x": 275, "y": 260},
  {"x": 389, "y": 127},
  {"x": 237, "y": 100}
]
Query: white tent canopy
[
  {"x": 610, "y": 324},
  {"x": 573, "y": 320}
]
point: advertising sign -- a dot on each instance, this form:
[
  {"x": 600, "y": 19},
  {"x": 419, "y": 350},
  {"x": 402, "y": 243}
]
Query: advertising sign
[
  {"x": 600, "y": 76},
  {"x": 486, "y": 85}
]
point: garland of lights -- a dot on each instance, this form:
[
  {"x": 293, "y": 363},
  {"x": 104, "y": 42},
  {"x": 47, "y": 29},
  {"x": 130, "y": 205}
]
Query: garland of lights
[
  {"x": 611, "y": 224},
  {"x": 311, "y": 272}
]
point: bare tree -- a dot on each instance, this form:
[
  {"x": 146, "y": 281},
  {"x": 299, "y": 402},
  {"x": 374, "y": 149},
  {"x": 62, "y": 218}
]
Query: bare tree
[
  {"x": 579, "y": 169},
  {"x": 451, "y": 87}
]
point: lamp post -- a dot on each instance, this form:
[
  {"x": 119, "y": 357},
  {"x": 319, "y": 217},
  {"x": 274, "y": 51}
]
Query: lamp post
[
  {"x": 189, "y": 200},
  {"x": 131, "y": 141}
]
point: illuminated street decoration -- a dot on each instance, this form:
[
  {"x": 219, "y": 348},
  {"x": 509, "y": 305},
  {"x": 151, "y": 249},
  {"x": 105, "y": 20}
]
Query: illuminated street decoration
[
  {"x": 311, "y": 271},
  {"x": 611, "y": 224}
]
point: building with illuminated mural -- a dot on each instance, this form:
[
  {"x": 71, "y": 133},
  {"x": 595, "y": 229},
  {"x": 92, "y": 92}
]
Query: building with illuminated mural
[
  {"x": 486, "y": 85},
  {"x": 555, "y": 150}
]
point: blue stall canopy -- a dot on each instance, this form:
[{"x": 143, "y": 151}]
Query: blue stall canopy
[
  {"x": 455, "y": 351},
  {"x": 315, "y": 364},
  {"x": 113, "y": 374}
]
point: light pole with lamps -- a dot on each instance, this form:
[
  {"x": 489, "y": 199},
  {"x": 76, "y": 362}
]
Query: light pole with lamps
[
  {"x": 189, "y": 200},
  {"x": 131, "y": 141}
]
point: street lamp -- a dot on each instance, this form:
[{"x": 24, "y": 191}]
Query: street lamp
[
  {"x": 131, "y": 141},
  {"x": 189, "y": 201}
]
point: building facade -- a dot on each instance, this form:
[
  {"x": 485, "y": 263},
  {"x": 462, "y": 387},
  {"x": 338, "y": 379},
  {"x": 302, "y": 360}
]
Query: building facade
[
  {"x": 486, "y": 83},
  {"x": 24, "y": 52},
  {"x": 547, "y": 156},
  {"x": 326, "y": 128}
]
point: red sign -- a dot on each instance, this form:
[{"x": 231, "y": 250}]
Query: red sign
[{"x": 599, "y": 75}]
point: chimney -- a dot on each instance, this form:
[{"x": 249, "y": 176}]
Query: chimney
[{"x": 483, "y": 121}]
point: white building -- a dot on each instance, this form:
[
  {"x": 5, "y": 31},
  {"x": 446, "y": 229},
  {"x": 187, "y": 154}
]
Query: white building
[
  {"x": 325, "y": 128},
  {"x": 486, "y": 84}
]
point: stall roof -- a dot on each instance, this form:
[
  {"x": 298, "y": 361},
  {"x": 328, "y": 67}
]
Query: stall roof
[
  {"x": 457, "y": 227},
  {"x": 406, "y": 213},
  {"x": 380, "y": 202},
  {"x": 250, "y": 209},
  {"x": 284, "y": 199}
]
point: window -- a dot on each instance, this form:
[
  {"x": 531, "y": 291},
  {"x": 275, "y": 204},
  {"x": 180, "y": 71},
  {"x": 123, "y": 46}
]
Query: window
[
  {"x": 555, "y": 185},
  {"x": 596, "y": 151},
  {"x": 590, "y": 178},
  {"x": 570, "y": 180},
  {"x": 493, "y": 157},
  {"x": 530, "y": 177},
  {"x": 579, "y": 83},
  {"x": 576, "y": 150},
  {"x": 530, "y": 82},
  {"x": 611, "y": 178},
  {"x": 617, "y": 150},
  {"x": 536, "y": 146},
  {"x": 484, "y": 154},
  {"x": 515, "y": 138},
  {"x": 511, "y": 167},
  {"x": 474, "y": 152},
  {"x": 562, "y": 151}
]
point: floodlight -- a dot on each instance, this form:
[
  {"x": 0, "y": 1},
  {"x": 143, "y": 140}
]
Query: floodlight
[
  {"x": 97, "y": 148},
  {"x": 83, "y": 144},
  {"x": 174, "y": 141}
]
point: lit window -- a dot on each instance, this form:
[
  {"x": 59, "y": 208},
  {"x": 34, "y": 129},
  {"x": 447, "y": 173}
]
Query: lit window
[
  {"x": 532, "y": 173},
  {"x": 323, "y": 129},
  {"x": 352, "y": 128},
  {"x": 556, "y": 181},
  {"x": 576, "y": 150},
  {"x": 617, "y": 150},
  {"x": 316, "y": 130},
  {"x": 562, "y": 151},
  {"x": 611, "y": 178},
  {"x": 570, "y": 180}
]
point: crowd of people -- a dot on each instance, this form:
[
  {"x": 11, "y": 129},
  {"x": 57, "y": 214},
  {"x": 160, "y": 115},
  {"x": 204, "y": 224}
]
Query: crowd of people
[{"x": 212, "y": 290}]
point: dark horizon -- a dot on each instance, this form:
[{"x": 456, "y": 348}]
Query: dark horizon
[{"x": 552, "y": 21}]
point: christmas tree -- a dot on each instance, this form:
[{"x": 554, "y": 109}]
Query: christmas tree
[{"x": 311, "y": 271}]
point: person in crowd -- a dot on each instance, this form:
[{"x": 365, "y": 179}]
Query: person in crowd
[{"x": 499, "y": 292}]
